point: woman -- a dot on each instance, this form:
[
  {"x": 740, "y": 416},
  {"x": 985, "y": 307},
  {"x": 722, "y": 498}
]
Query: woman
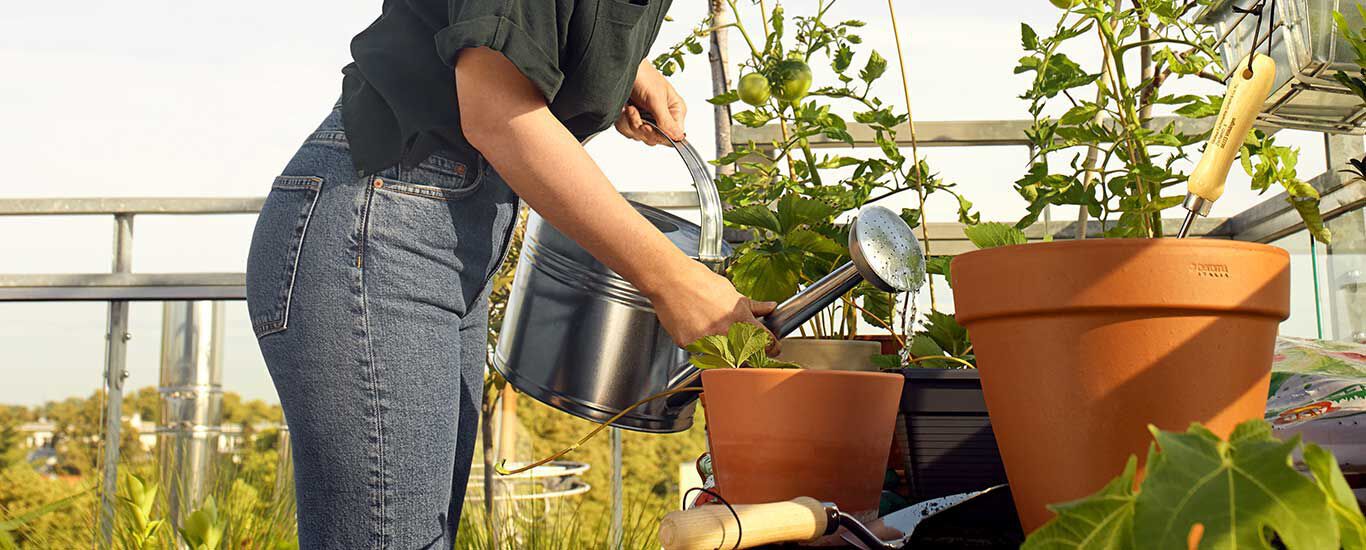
[{"x": 369, "y": 268}]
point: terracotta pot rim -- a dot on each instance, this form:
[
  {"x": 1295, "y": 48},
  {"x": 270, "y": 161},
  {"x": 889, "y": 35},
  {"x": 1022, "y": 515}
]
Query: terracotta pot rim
[
  {"x": 1166, "y": 242},
  {"x": 798, "y": 372},
  {"x": 1103, "y": 276}
]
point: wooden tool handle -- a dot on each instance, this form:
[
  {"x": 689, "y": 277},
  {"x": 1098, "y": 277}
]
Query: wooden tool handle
[
  {"x": 1247, "y": 90},
  {"x": 711, "y": 527}
]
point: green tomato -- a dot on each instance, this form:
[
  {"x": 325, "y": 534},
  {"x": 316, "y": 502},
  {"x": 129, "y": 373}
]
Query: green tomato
[
  {"x": 1063, "y": 4},
  {"x": 754, "y": 89},
  {"x": 793, "y": 80}
]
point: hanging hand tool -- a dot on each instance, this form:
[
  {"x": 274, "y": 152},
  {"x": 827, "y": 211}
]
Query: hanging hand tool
[{"x": 1247, "y": 90}]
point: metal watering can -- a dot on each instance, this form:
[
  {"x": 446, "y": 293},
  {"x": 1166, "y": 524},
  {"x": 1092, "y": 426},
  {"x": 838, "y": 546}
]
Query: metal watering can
[{"x": 578, "y": 337}]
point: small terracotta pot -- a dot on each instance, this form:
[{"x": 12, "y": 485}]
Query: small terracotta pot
[
  {"x": 830, "y": 353},
  {"x": 777, "y": 434},
  {"x": 1082, "y": 344}
]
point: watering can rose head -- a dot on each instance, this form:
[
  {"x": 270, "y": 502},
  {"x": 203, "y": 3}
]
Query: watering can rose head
[{"x": 744, "y": 345}]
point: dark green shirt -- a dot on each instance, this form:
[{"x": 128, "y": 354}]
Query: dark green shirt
[{"x": 398, "y": 96}]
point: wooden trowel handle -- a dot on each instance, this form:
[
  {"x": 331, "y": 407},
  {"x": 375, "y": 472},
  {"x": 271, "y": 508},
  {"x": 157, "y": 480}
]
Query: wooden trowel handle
[
  {"x": 1247, "y": 90},
  {"x": 711, "y": 527}
]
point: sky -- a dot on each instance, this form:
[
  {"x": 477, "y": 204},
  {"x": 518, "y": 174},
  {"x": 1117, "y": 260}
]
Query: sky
[{"x": 165, "y": 98}]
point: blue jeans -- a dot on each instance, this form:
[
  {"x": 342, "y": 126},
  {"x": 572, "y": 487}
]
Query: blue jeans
[{"x": 368, "y": 296}]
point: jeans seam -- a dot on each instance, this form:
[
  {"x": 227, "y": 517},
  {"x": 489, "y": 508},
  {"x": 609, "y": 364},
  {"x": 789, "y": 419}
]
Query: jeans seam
[
  {"x": 299, "y": 254},
  {"x": 378, "y": 483},
  {"x": 429, "y": 191}
]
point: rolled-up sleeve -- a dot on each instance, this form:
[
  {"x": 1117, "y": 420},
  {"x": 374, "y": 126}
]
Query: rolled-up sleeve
[{"x": 526, "y": 32}]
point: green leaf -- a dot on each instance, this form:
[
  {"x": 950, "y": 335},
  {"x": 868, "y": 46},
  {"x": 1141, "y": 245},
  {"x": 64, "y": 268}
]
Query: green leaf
[
  {"x": 887, "y": 361},
  {"x": 17, "y": 522},
  {"x": 1163, "y": 203},
  {"x": 1028, "y": 38},
  {"x": 1238, "y": 490},
  {"x": 939, "y": 265},
  {"x": 993, "y": 234},
  {"x": 1201, "y": 108},
  {"x": 744, "y": 344},
  {"x": 747, "y": 340},
  {"x": 812, "y": 242},
  {"x": 1308, "y": 209},
  {"x": 769, "y": 274},
  {"x": 714, "y": 346},
  {"x": 944, "y": 329},
  {"x": 874, "y": 68},
  {"x": 1328, "y": 476},
  {"x": 705, "y": 362},
  {"x": 755, "y": 216},
  {"x": 1079, "y": 114},
  {"x": 843, "y": 56},
  {"x": 1103, "y": 520},
  {"x": 878, "y": 305},
  {"x": 752, "y": 119},
  {"x": 795, "y": 212},
  {"x": 725, "y": 99},
  {"x": 204, "y": 527}
]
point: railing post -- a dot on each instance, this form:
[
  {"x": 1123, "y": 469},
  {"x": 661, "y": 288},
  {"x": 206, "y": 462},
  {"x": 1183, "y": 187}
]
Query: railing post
[
  {"x": 191, "y": 388},
  {"x": 115, "y": 363},
  {"x": 617, "y": 496}
]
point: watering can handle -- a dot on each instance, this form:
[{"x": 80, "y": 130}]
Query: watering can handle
[
  {"x": 708, "y": 201},
  {"x": 709, "y": 243}
]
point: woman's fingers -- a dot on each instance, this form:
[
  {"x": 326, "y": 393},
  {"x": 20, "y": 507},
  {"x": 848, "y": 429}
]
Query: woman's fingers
[
  {"x": 632, "y": 125},
  {"x": 666, "y": 114},
  {"x": 760, "y": 309}
]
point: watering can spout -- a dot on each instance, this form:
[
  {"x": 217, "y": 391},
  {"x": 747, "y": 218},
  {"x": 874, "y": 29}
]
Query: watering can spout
[{"x": 883, "y": 251}]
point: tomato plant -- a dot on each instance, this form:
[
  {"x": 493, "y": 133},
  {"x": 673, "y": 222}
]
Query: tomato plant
[
  {"x": 1125, "y": 166},
  {"x": 787, "y": 194}
]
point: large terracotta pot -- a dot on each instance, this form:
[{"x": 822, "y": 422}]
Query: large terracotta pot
[
  {"x": 777, "y": 434},
  {"x": 1082, "y": 344}
]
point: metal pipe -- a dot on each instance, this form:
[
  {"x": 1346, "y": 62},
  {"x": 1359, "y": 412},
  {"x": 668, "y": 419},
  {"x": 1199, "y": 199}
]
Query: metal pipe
[
  {"x": 191, "y": 390},
  {"x": 115, "y": 371}
]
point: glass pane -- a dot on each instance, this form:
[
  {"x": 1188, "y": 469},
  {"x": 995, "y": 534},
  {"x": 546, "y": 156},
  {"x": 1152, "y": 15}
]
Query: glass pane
[{"x": 1344, "y": 292}]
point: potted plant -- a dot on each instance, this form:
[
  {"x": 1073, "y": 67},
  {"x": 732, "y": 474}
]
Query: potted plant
[
  {"x": 1089, "y": 341},
  {"x": 788, "y": 197},
  {"x": 777, "y": 432}
]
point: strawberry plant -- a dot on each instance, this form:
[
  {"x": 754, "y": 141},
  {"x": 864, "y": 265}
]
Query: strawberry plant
[{"x": 743, "y": 345}]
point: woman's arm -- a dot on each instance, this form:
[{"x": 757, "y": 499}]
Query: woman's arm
[{"x": 506, "y": 118}]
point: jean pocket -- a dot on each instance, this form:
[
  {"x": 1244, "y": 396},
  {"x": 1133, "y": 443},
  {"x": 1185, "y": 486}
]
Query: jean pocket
[
  {"x": 435, "y": 178},
  {"x": 273, "y": 261}
]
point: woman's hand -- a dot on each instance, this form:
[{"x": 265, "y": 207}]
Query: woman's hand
[
  {"x": 701, "y": 303},
  {"x": 653, "y": 94}
]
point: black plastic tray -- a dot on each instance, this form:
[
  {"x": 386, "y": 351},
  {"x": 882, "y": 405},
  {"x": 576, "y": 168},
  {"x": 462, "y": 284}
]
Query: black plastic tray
[{"x": 950, "y": 446}]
